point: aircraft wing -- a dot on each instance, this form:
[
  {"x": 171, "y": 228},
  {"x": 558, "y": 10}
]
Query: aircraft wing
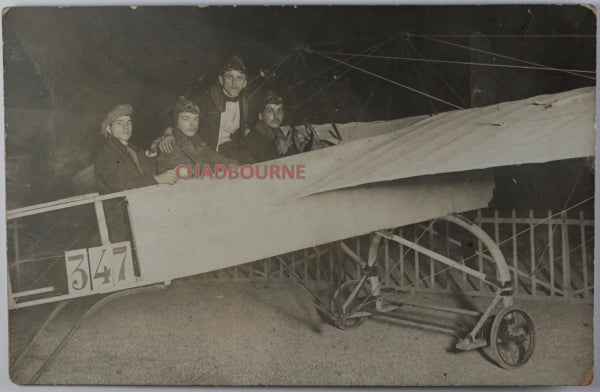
[{"x": 534, "y": 130}]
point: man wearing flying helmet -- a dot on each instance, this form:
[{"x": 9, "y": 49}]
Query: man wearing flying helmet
[
  {"x": 267, "y": 141},
  {"x": 188, "y": 147},
  {"x": 224, "y": 110}
]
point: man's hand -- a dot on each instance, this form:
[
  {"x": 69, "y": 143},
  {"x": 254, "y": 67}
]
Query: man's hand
[
  {"x": 153, "y": 150},
  {"x": 167, "y": 177},
  {"x": 282, "y": 146},
  {"x": 246, "y": 132},
  {"x": 167, "y": 141}
]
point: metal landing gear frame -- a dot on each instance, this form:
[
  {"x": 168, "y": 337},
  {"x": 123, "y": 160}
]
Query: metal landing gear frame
[{"x": 509, "y": 331}]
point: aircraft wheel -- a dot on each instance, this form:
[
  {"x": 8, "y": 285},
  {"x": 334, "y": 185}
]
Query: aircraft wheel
[
  {"x": 341, "y": 295},
  {"x": 512, "y": 337}
]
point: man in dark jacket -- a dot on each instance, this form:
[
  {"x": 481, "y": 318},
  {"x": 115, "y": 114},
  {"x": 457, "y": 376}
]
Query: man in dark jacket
[
  {"x": 224, "y": 110},
  {"x": 121, "y": 166},
  {"x": 267, "y": 141},
  {"x": 189, "y": 147}
]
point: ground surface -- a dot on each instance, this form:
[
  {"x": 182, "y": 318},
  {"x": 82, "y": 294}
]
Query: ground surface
[{"x": 199, "y": 332}]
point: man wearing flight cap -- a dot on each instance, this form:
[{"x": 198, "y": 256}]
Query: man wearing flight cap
[
  {"x": 267, "y": 141},
  {"x": 224, "y": 113},
  {"x": 189, "y": 148},
  {"x": 121, "y": 166}
]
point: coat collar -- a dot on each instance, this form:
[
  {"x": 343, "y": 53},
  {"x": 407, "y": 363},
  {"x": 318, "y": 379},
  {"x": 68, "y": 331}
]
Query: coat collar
[
  {"x": 267, "y": 131},
  {"x": 218, "y": 97},
  {"x": 115, "y": 143}
]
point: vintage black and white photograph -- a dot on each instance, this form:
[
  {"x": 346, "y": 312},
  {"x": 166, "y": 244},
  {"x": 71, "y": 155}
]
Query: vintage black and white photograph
[{"x": 300, "y": 195}]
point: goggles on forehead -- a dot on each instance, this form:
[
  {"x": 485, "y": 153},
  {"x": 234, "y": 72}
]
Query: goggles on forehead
[
  {"x": 273, "y": 99},
  {"x": 189, "y": 107}
]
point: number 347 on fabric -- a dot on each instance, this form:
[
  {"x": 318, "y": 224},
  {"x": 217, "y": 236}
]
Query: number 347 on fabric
[{"x": 99, "y": 269}]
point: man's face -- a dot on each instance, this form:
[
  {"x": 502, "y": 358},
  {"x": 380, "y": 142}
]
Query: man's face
[
  {"x": 121, "y": 128},
  {"x": 188, "y": 123},
  {"x": 233, "y": 82},
  {"x": 272, "y": 115}
]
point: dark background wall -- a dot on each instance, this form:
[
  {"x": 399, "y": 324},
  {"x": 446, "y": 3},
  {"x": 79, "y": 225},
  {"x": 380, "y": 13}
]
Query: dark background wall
[{"x": 65, "y": 68}]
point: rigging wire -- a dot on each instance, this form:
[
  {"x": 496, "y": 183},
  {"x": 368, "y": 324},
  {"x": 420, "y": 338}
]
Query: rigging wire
[
  {"x": 363, "y": 108},
  {"x": 508, "y": 35},
  {"x": 413, "y": 284},
  {"x": 268, "y": 70},
  {"x": 329, "y": 109},
  {"x": 354, "y": 39},
  {"x": 322, "y": 302},
  {"x": 391, "y": 81},
  {"x": 339, "y": 77},
  {"x": 538, "y": 68},
  {"x": 556, "y": 226},
  {"x": 499, "y": 55},
  {"x": 59, "y": 258},
  {"x": 28, "y": 251},
  {"x": 83, "y": 233},
  {"x": 17, "y": 363},
  {"x": 86, "y": 316},
  {"x": 370, "y": 49},
  {"x": 446, "y": 83},
  {"x": 420, "y": 77},
  {"x": 270, "y": 75}
]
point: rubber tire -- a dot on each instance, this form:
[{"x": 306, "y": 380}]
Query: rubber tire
[
  {"x": 338, "y": 299},
  {"x": 500, "y": 328}
]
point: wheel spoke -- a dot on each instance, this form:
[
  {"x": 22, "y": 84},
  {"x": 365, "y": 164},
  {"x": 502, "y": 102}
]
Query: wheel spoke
[
  {"x": 341, "y": 296},
  {"x": 512, "y": 337}
]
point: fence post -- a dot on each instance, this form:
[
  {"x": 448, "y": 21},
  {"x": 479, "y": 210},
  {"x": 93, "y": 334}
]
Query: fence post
[
  {"x": 514, "y": 249},
  {"x": 305, "y": 262},
  {"x": 401, "y": 254},
  {"x": 532, "y": 252},
  {"x": 583, "y": 255},
  {"x": 386, "y": 266},
  {"x": 447, "y": 238},
  {"x": 551, "y": 253},
  {"x": 358, "y": 273},
  {"x": 566, "y": 262},
  {"x": 480, "y": 250},
  {"x": 318, "y": 262},
  {"x": 330, "y": 249},
  {"x": 417, "y": 282},
  {"x": 266, "y": 268},
  {"x": 431, "y": 261}
]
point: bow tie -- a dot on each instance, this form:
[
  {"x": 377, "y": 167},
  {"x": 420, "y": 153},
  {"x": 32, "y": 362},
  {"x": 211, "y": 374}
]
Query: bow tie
[{"x": 231, "y": 99}]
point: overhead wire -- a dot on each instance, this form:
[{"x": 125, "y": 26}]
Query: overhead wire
[
  {"x": 413, "y": 284},
  {"x": 329, "y": 109},
  {"x": 268, "y": 69},
  {"x": 269, "y": 76},
  {"x": 391, "y": 81},
  {"x": 555, "y": 226},
  {"x": 498, "y": 55},
  {"x": 537, "y": 68},
  {"x": 421, "y": 81},
  {"x": 329, "y": 68},
  {"x": 509, "y": 35},
  {"x": 82, "y": 233},
  {"x": 353, "y": 39},
  {"x": 113, "y": 296},
  {"x": 446, "y": 83}
]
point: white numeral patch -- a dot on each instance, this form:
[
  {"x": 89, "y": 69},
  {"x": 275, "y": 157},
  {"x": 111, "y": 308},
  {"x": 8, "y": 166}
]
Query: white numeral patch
[
  {"x": 101, "y": 268},
  {"x": 78, "y": 271}
]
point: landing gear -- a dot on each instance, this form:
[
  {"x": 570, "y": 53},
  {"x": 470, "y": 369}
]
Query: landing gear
[
  {"x": 345, "y": 308},
  {"x": 512, "y": 337},
  {"x": 510, "y": 334}
]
